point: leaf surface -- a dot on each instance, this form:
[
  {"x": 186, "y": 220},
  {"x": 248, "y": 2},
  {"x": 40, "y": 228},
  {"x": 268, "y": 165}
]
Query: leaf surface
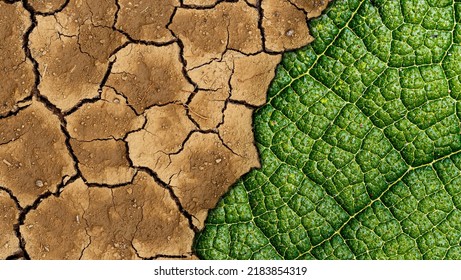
[{"x": 360, "y": 143}]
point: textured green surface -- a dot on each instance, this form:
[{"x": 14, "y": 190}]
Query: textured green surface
[{"x": 360, "y": 143}]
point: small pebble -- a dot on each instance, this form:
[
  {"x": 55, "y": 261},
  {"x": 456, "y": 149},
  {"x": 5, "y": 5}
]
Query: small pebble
[{"x": 39, "y": 183}]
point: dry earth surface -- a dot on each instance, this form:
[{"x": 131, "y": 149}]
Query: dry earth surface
[{"x": 122, "y": 122}]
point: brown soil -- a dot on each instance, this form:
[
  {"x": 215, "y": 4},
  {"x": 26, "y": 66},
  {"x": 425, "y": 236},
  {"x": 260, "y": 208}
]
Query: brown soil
[
  {"x": 17, "y": 76},
  {"x": 122, "y": 122},
  {"x": 9, "y": 244}
]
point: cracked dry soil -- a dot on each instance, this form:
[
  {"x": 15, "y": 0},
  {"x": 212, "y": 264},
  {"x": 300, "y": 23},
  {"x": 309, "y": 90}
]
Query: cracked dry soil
[{"x": 122, "y": 122}]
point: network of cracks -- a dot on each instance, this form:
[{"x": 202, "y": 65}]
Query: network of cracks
[{"x": 122, "y": 122}]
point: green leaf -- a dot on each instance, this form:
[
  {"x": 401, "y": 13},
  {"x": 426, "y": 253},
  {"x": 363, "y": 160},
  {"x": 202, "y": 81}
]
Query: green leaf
[{"x": 360, "y": 143}]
